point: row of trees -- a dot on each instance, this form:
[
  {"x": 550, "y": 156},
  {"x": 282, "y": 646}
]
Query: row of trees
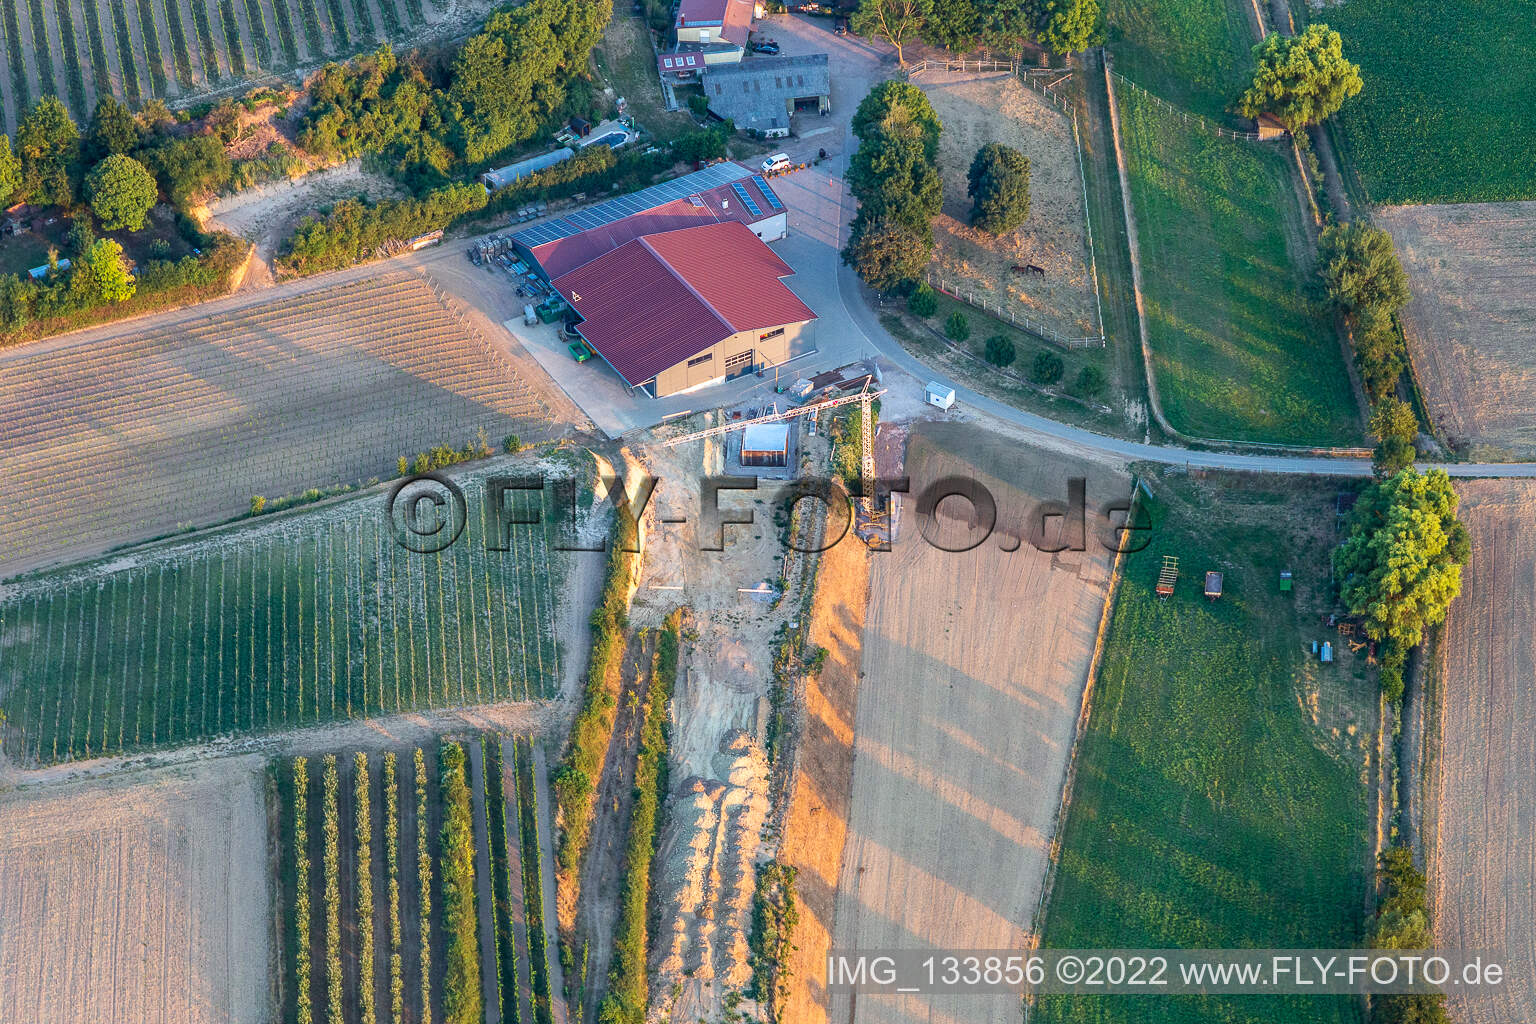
[
  {"x": 331, "y": 869},
  {"x": 1403, "y": 922},
  {"x": 775, "y": 913},
  {"x": 1061, "y": 26},
  {"x": 894, "y": 175},
  {"x": 424, "y": 880},
  {"x": 533, "y": 882},
  {"x": 355, "y": 229},
  {"x": 628, "y": 992},
  {"x": 1400, "y": 564},
  {"x": 463, "y": 998},
  {"x": 1367, "y": 285}
]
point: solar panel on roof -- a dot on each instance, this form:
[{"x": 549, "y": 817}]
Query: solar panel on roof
[
  {"x": 762, "y": 186},
  {"x": 620, "y": 207},
  {"x": 746, "y": 199}
]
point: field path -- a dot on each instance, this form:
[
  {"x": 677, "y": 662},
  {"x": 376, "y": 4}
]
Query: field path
[
  {"x": 515, "y": 878},
  {"x": 1483, "y": 877},
  {"x": 483, "y": 893},
  {"x": 547, "y": 858}
]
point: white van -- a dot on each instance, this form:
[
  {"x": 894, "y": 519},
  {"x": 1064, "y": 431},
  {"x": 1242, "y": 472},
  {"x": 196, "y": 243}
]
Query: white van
[{"x": 777, "y": 164}]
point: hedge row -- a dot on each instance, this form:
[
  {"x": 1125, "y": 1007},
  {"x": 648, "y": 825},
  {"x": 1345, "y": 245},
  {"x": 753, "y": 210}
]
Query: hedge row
[
  {"x": 627, "y": 989},
  {"x": 363, "y": 832},
  {"x": 355, "y": 230},
  {"x": 575, "y": 783},
  {"x": 501, "y": 881},
  {"x": 463, "y": 998},
  {"x": 301, "y": 953}
]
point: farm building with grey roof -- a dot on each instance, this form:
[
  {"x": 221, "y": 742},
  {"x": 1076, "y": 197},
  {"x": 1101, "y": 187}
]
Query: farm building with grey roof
[{"x": 762, "y": 94}]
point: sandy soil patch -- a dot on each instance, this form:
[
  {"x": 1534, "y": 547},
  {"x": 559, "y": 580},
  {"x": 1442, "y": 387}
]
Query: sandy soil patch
[
  {"x": 973, "y": 670},
  {"x": 1472, "y": 321},
  {"x": 267, "y": 214},
  {"x": 978, "y": 110},
  {"x": 1484, "y": 874},
  {"x": 115, "y": 438},
  {"x": 141, "y": 898}
]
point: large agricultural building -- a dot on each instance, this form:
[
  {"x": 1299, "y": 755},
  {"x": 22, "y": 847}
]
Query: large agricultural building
[
  {"x": 675, "y": 285},
  {"x": 762, "y": 95}
]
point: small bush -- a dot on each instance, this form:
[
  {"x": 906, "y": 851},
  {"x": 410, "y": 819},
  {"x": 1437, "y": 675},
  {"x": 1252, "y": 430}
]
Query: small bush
[
  {"x": 258, "y": 504},
  {"x": 511, "y": 444},
  {"x": 699, "y": 105},
  {"x": 1048, "y": 367},
  {"x": 957, "y": 327},
  {"x": 1090, "y": 381},
  {"x": 1000, "y": 351},
  {"x": 923, "y": 302}
]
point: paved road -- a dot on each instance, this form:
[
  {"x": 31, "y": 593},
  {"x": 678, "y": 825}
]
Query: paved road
[{"x": 821, "y": 210}]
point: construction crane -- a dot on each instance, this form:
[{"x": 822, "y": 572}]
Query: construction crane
[{"x": 810, "y": 409}]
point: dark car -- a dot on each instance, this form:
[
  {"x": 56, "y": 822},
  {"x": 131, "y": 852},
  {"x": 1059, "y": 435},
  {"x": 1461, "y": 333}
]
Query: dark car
[
  {"x": 769, "y": 48},
  {"x": 842, "y": 27}
]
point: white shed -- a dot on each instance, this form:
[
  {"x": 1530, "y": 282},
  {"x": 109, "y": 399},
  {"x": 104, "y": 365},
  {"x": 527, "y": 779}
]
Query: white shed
[{"x": 938, "y": 395}]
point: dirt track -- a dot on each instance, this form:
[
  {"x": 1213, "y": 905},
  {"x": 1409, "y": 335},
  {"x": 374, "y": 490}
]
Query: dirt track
[
  {"x": 136, "y": 899},
  {"x": 1472, "y": 322},
  {"x": 1484, "y": 875},
  {"x": 973, "y": 669}
]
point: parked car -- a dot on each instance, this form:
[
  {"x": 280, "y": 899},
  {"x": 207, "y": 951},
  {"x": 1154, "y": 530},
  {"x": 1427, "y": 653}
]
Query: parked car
[
  {"x": 841, "y": 27},
  {"x": 777, "y": 164},
  {"x": 767, "y": 47}
]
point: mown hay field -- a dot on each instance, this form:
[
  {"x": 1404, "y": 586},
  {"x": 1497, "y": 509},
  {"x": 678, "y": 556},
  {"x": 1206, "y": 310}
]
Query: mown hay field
[
  {"x": 142, "y": 898},
  {"x": 1471, "y": 324},
  {"x": 1480, "y": 870},
  {"x": 313, "y": 616},
  {"x": 1221, "y": 797},
  {"x": 1445, "y": 114},
  {"x": 976, "y": 110},
  {"x": 971, "y": 679},
  {"x": 1243, "y": 347},
  {"x": 178, "y": 50},
  {"x": 127, "y": 433}
]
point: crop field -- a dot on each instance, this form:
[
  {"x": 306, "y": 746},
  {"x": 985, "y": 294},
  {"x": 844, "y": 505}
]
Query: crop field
[
  {"x": 137, "y": 899},
  {"x": 123, "y": 434},
  {"x": 309, "y": 617},
  {"x": 975, "y": 111},
  {"x": 384, "y": 865},
  {"x": 965, "y": 714},
  {"x": 1444, "y": 116},
  {"x": 1241, "y": 342},
  {"x": 1221, "y": 795},
  {"x": 1471, "y": 324},
  {"x": 1480, "y": 866},
  {"x": 178, "y": 50},
  {"x": 1196, "y": 53}
]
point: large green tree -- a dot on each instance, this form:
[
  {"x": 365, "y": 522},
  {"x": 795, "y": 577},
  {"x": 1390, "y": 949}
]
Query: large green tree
[
  {"x": 102, "y": 273},
  {"x": 1378, "y": 352},
  {"x": 120, "y": 191},
  {"x": 1395, "y": 428},
  {"x": 894, "y": 103},
  {"x": 1360, "y": 268},
  {"x": 998, "y": 184},
  {"x": 1300, "y": 79},
  {"x": 1400, "y": 564},
  {"x": 48, "y": 143},
  {"x": 113, "y": 129},
  {"x": 898, "y": 22},
  {"x": 887, "y": 253},
  {"x": 891, "y": 179},
  {"x": 1071, "y": 26}
]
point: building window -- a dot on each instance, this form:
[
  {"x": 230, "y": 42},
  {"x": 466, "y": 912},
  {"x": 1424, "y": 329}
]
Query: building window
[
  {"x": 778, "y": 81},
  {"x": 799, "y": 79},
  {"x": 667, "y": 61},
  {"x": 738, "y": 364},
  {"x": 775, "y": 333},
  {"x": 700, "y": 360}
]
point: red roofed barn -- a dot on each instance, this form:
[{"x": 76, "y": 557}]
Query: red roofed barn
[{"x": 679, "y": 309}]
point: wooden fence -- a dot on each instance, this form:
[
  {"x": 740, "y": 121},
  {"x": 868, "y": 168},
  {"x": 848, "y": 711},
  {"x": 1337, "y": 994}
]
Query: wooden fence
[
  {"x": 994, "y": 308},
  {"x": 1192, "y": 119}
]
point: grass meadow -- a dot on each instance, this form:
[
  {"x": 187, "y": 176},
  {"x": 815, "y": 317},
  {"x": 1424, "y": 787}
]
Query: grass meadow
[
  {"x": 1219, "y": 800},
  {"x": 309, "y": 617},
  {"x": 1243, "y": 346},
  {"x": 1196, "y": 53},
  {"x": 1445, "y": 114}
]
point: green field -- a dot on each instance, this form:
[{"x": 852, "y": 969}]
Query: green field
[
  {"x": 304, "y": 618},
  {"x": 1445, "y": 115},
  {"x": 1243, "y": 346},
  {"x": 1196, "y": 53},
  {"x": 1209, "y": 811}
]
